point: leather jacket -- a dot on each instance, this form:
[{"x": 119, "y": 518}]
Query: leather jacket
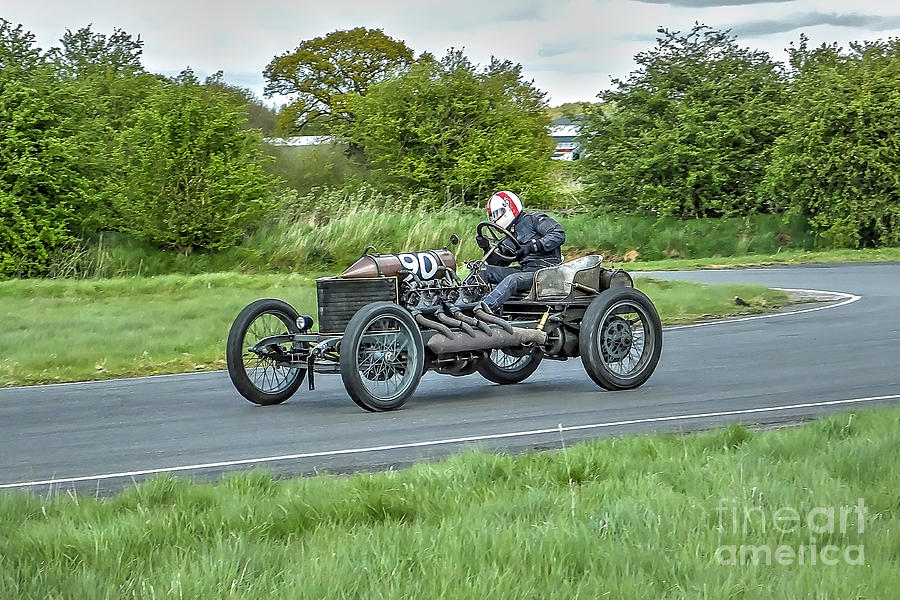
[{"x": 534, "y": 227}]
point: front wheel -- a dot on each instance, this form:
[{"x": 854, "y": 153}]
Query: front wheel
[
  {"x": 500, "y": 367},
  {"x": 620, "y": 339},
  {"x": 263, "y": 375},
  {"x": 382, "y": 356}
]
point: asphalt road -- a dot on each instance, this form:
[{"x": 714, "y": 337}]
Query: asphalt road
[{"x": 104, "y": 435}]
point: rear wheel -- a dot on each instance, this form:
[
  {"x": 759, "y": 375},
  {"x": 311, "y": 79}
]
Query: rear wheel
[
  {"x": 382, "y": 356},
  {"x": 500, "y": 367},
  {"x": 263, "y": 375},
  {"x": 620, "y": 339}
]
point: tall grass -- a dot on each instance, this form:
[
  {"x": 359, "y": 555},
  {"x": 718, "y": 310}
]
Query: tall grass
[
  {"x": 634, "y": 517},
  {"x": 330, "y": 230}
]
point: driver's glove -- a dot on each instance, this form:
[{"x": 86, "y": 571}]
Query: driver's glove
[
  {"x": 482, "y": 242},
  {"x": 526, "y": 249}
]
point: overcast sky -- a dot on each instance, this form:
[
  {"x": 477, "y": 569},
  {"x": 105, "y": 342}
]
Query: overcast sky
[{"x": 571, "y": 48}]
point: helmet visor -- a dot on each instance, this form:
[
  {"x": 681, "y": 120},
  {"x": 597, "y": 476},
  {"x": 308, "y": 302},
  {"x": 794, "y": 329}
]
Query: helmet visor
[{"x": 496, "y": 214}]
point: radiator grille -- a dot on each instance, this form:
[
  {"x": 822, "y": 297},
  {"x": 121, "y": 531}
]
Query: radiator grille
[{"x": 339, "y": 299}]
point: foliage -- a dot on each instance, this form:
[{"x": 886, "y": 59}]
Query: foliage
[
  {"x": 195, "y": 174},
  {"x": 689, "y": 132},
  {"x": 259, "y": 116},
  {"x": 838, "y": 161},
  {"x": 321, "y": 72},
  {"x": 303, "y": 168},
  {"x": 85, "y": 52},
  {"x": 47, "y": 162},
  {"x": 450, "y": 131},
  {"x": 106, "y": 70},
  {"x": 572, "y": 109},
  {"x": 18, "y": 52}
]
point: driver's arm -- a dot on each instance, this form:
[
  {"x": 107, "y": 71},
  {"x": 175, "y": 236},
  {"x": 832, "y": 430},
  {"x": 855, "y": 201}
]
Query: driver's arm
[
  {"x": 550, "y": 234},
  {"x": 506, "y": 248},
  {"x": 493, "y": 259}
]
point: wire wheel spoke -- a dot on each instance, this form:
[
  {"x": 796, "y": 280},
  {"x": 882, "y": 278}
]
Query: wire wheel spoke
[
  {"x": 623, "y": 340},
  {"x": 385, "y": 356},
  {"x": 508, "y": 362},
  {"x": 263, "y": 367}
]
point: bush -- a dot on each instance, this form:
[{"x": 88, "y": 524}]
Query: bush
[
  {"x": 195, "y": 175},
  {"x": 45, "y": 159},
  {"x": 689, "y": 133},
  {"x": 837, "y": 163}
]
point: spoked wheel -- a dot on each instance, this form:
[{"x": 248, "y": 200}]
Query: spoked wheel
[
  {"x": 382, "y": 356},
  {"x": 504, "y": 368},
  {"x": 263, "y": 374},
  {"x": 620, "y": 339}
]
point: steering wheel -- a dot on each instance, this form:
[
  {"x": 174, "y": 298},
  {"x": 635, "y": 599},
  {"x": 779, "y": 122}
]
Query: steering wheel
[{"x": 495, "y": 235}]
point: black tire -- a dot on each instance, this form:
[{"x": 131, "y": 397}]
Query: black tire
[
  {"x": 370, "y": 358},
  {"x": 518, "y": 371},
  {"x": 244, "y": 367},
  {"x": 608, "y": 341}
]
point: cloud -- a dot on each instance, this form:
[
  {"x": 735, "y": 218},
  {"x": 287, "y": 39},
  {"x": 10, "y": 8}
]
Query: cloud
[
  {"x": 557, "y": 49},
  {"x": 812, "y": 19},
  {"x": 710, "y": 3},
  {"x": 519, "y": 13}
]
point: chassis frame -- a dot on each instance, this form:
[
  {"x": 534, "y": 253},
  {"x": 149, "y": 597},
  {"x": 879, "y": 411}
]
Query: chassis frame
[{"x": 388, "y": 344}]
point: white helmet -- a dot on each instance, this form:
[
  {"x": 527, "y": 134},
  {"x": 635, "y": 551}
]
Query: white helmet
[{"x": 503, "y": 208}]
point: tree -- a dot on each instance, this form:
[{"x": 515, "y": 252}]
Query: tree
[
  {"x": 18, "y": 52},
  {"x": 47, "y": 150},
  {"x": 259, "y": 116},
  {"x": 837, "y": 163},
  {"x": 448, "y": 131},
  {"x": 689, "y": 132},
  {"x": 87, "y": 53},
  {"x": 195, "y": 177},
  {"x": 320, "y": 73}
]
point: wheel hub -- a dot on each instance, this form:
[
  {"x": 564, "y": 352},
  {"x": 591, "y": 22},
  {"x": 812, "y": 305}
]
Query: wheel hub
[{"x": 616, "y": 339}]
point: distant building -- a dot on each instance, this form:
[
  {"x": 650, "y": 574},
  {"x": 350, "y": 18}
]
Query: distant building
[
  {"x": 564, "y": 131},
  {"x": 301, "y": 140}
]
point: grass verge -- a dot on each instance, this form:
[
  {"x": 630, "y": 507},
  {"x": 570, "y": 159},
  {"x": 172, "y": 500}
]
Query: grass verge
[
  {"x": 635, "y": 517},
  {"x": 788, "y": 257},
  {"x": 76, "y": 330}
]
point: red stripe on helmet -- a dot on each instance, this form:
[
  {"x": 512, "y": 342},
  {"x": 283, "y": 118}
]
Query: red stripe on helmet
[{"x": 512, "y": 204}]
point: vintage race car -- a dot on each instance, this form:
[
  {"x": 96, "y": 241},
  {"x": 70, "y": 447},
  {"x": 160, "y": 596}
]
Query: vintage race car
[{"x": 389, "y": 318}]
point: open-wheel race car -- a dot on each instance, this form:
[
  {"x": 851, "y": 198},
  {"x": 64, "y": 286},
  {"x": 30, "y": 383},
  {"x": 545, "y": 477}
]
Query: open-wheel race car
[{"x": 390, "y": 318}]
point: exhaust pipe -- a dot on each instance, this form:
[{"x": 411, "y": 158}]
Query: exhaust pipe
[
  {"x": 451, "y": 322},
  {"x": 456, "y": 312},
  {"x": 484, "y": 313},
  {"x": 429, "y": 324}
]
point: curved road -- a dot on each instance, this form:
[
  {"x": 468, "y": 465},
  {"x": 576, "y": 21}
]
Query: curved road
[{"x": 104, "y": 435}]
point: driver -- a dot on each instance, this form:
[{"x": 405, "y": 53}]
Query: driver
[{"x": 540, "y": 237}]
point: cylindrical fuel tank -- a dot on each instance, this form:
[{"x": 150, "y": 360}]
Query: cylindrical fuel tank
[{"x": 425, "y": 264}]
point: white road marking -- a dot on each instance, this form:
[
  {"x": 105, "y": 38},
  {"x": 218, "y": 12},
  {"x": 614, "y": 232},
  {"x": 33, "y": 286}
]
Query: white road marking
[
  {"x": 444, "y": 442},
  {"x": 847, "y": 299}
]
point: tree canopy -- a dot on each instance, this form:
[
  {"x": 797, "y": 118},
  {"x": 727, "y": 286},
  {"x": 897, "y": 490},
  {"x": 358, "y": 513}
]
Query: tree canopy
[
  {"x": 90, "y": 141},
  {"x": 86, "y": 52},
  {"x": 450, "y": 131},
  {"x": 320, "y": 73},
  {"x": 689, "y": 132},
  {"x": 837, "y": 164}
]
